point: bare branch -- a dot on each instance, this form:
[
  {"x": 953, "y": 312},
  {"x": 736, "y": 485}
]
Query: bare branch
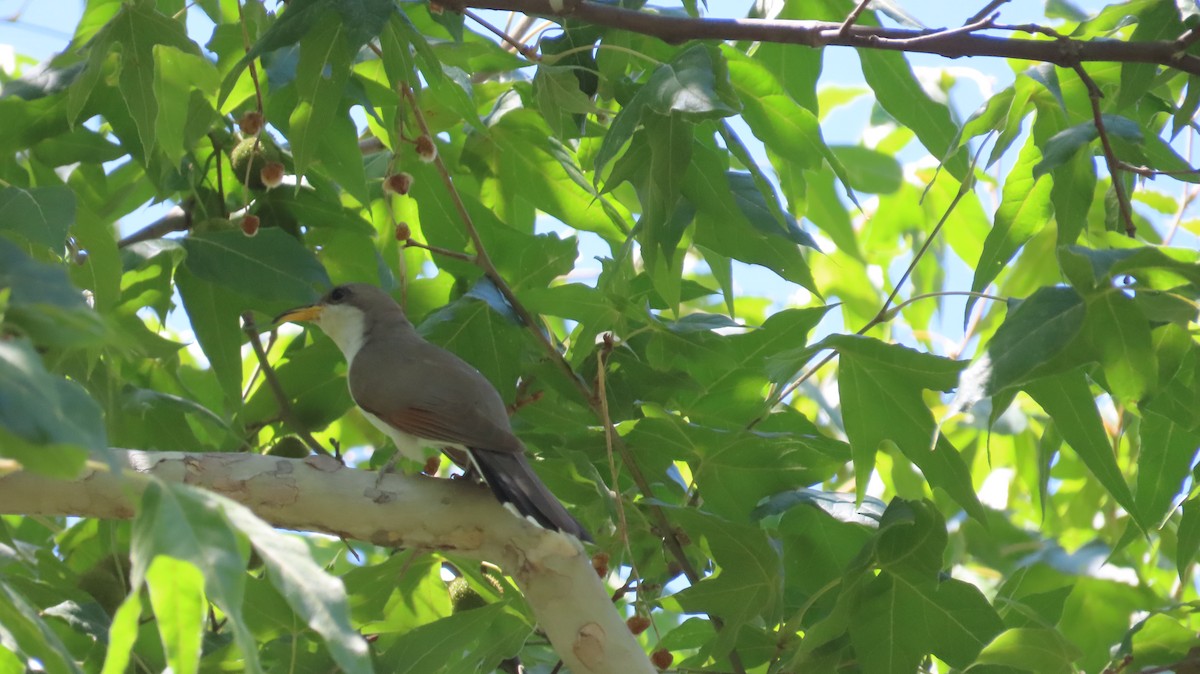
[
  {"x": 987, "y": 10},
  {"x": 676, "y": 29},
  {"x": 178, "y": 219},
  {"x": 317, "y": 493},
  {"x": 852, "y": 18},
  {"x": 1110, "y": 156}
]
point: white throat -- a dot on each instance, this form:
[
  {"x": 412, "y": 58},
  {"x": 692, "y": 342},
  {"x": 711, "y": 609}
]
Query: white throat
[{"x": 345, "y": 325}]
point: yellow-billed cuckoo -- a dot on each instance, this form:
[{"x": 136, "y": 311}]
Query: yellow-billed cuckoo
[{"x": 421, "y": 395}]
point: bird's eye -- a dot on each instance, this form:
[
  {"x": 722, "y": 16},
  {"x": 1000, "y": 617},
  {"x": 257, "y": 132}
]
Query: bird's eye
[{"x": 338, "y": 294}]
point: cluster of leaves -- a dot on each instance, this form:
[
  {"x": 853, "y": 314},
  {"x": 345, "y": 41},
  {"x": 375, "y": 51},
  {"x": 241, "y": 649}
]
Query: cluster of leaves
[{"x": 824, "y": 530}]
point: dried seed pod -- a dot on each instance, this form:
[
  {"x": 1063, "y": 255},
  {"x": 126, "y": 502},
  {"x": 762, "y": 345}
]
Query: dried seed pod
[
  {"x": 426, "y": 150},
  {"x": 251, "y": 123},
  {"x": 272, "y": 174},
  {"x": 398, "y": 183},
  {"x": 250, "y": 225}
]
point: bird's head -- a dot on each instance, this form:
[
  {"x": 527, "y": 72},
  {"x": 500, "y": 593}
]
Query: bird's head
[{"x": 346, "y": 313}]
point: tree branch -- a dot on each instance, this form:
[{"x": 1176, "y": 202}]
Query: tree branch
[
  {"x": 178, "y": 219},
  {"x": 319, "y": 494},
  {"x": 676, "y": 29}
]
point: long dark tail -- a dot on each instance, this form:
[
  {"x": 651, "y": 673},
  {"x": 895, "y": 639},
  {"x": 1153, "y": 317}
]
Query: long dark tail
[{"x": 513, "y": 481}]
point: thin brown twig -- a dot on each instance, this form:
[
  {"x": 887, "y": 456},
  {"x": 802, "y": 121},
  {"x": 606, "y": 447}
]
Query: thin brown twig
[
  {"x": 610, "y": 432},
  {"x": 413, "y": 243},
  {"x": 973, "y": 27},
  {"x": 1185, "y": 201},
  {"x": 1110, "y": 156},
  {"x": 253, "y": 69},
  {"x": 884, "y": 313},
  {"x": 1147, "y": 172},
  {"x": 522, "y": 49},
  {"x": 484, "y": 262},
  {"x": 987, "y": 10},
  {"x": 1187, "y": 39},
  {"x": 285, "y": 405},
  {"x": 852, "y": 18}
]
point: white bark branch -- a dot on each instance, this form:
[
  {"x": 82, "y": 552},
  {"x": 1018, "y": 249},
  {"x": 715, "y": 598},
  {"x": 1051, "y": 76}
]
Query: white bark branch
[{"x": 570, "y": 602}]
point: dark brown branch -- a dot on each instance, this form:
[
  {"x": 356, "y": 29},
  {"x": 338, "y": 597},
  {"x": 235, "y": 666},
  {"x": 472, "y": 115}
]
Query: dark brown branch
[
  {"x": 1110, "y": 156},
  {"x": 852, "y": 18},
  {"x": 677, "y": 29},
  {"x": 522, "y": 49},
  {"x": 985, "y": 12}
]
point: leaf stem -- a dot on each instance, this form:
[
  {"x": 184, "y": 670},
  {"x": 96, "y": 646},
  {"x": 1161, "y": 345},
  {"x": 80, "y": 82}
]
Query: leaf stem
[{"x": 286, "y": 412}]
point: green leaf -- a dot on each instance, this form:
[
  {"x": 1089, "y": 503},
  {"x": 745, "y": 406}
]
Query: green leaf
[
  {"x": 317, "y": 598},
  {"x": 777, "y": 120},
  {"x": 78, "y": 145},
  {"x": 1068, "y": 400},
  {"x": 1189, "y": 537},
  {"x": 1158, "y": 23},
  {"x": 670, "y": 141},
  {"x": 359, "y": 20},
  {"x": 123, "y": 634},
  {"x": 138, "y": 28},
  {"x": 1161, "y": 639},
  {"x": 899, "y": 92},
  {"x": 695, "y": 85},
  {"x": 177, "y": 596},
  {"x": 533, "y": 167},
  {"x": 44, "y": 305},
  {"x": 559, "y": 100},
  {"x": 888, "y": 631},
  {"x": 722, "y": 224},
  {"x": 184, "y": 84},
  {"x": 796, "y": 69},
  {"x": 1143, "y": 262},
  {"x": 481, "y": 328},
  {"x": 868, "y": 170},
  {"x": 1036, "y": 649},
  {"x": 41, "y": 215},
  {"x": 214, "y": 316},
  {"x": 57, "y": 460},
  {"x": 735, "y": 470},
  {"x": 748, "y": 585},
  {"x": 475, "y": 640},
  {"x": 187, "y": 525},
  {"x": 1038, "y": 330},
  {"x": 1024, "y": 209},
  {"x": 1187, "y": 109},
  {"x": 1120, "y": 334},
  {"x": 760, "y": 213},
  {"x": 271, "y": 267},
  {"x": 1063, "y": 145},
  {"x": 1163, "y": 465},
  {"x": 24, "y": 629},
  {"x": 44, "y": 409},
  {"x": 1072, "y": 193},
  {"x": 880, "y": 386},
  {"x": 321, "y": 75}
]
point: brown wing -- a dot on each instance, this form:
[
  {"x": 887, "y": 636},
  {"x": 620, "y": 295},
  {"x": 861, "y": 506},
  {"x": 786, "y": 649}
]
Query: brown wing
[
  {"x": 438, "y": 427},
  {"x": 427, "y": 392}
]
